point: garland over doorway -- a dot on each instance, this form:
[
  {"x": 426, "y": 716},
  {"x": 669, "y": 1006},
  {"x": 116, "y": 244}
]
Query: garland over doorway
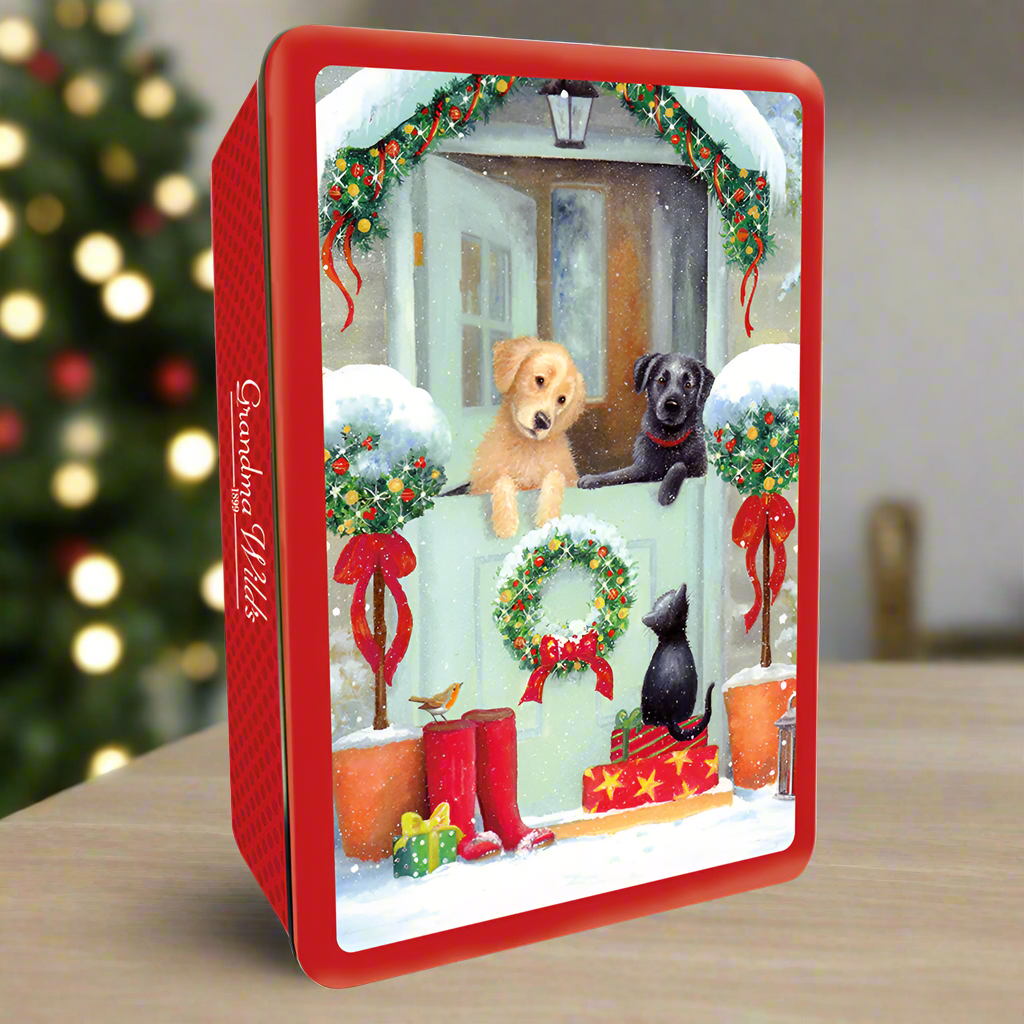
[{"x": 358, "y": 182}]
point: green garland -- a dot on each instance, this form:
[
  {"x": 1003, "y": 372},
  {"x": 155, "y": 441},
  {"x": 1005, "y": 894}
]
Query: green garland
[
  {"x": 356, "y": 504},
  {"x": 518, "y": 610},
  {"x": 358, "y": 183},
  {"x": 760, "y": 453}
]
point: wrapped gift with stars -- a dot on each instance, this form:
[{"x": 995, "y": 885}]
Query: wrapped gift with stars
[{"x": 676, "y": 775}]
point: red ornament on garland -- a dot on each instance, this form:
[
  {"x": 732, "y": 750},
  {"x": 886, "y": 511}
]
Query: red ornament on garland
[
  {"x": 357, "y": 170},
  {"x": 675, "y": 140},
  {"x": 393, "y": 148},
  {"x": 71, "y": 375},
  {"x": 760, "y": 183},
  {"x": 334, "y": 192},
  {"x": 12, "y": 430},
  {"x": 455, "y": 113},
  {"x": 176, "y": 380},
  {"x": 757, "y": 465},
  {"x": 742, "y": 234},
  {"x": 370, "y": 514},
  {"x": 739, "y": 195},
  {"x": 791, "y": 459},
  {"x": 738, "y": 218},
  {"x": 769, "y": 418},
  {"x": 408, "y": 494},
  {"x": 538, "y": 561},
  {"x": 705, "y": 152},
  {"x": 420, "y": 463},
  {"x": 730, "y": 444},
  {"x": 340, "y": 465}
]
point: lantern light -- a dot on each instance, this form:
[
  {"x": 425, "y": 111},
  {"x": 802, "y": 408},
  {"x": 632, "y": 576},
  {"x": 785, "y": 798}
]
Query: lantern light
[
  {"x": 97, "y": 649},
  {"x": 191, "y": 455},
  {"x": 569, "y": 103}
]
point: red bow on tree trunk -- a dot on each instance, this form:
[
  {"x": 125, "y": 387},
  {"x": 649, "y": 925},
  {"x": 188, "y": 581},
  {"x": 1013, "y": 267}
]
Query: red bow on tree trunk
[
  {"x": 767, "y": 517},
  {"x": 385, "y": 557}
]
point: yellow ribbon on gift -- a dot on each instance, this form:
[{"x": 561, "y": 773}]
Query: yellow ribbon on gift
[{"x": 413, "y": 824}]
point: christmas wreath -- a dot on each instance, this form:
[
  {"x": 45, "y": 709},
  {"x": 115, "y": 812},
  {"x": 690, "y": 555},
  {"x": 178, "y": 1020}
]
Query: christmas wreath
[
  {"x": 760, "y": 451},
  {"x": 546, "y": 647}
]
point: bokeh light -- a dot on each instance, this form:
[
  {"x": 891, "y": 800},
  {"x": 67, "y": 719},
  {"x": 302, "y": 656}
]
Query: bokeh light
[
  {"x": 174, "y": 195},
  {"x": 211, "y": 586},
  {"x": 95, "y": 580},
  {"x": 154, "y": 98},
  {"x": 97, "y": 649},
  {"x": 191, "y": 455},
  {"x": 127, "y": 296},
  {"x": 74, "y": 485},
  {"x": 22, "y": 315},
  {"x": 97, "y": 257}
]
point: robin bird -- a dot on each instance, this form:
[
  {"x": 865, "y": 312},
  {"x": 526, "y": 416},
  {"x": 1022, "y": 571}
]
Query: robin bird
[{"x": 437, "y": 705}]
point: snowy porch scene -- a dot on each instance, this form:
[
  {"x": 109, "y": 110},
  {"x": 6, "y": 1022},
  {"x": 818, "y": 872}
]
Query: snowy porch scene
[{"x": 649, "y": 238}]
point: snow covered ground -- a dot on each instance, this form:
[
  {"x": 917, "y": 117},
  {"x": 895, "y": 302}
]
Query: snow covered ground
[{"x": 375, "y": 908}]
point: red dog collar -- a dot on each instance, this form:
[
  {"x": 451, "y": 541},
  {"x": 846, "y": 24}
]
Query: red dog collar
[{"x": 669, "y": 444}]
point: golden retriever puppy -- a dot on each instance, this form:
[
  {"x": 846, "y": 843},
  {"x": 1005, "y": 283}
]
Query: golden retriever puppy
[{"x": 526, "y": 447}]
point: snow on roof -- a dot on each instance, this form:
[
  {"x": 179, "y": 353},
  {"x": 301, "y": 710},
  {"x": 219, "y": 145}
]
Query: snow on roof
[
  {"x": 732, "y": 119},
  {"x": 368, "y": 105},
  {"x": 374, "y": 100}
]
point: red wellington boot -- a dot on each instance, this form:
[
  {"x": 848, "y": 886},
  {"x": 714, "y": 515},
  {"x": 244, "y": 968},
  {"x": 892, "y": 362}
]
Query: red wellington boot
[
  {"x": 497, "y": 780},
  {"x": 451, "y": 777}
]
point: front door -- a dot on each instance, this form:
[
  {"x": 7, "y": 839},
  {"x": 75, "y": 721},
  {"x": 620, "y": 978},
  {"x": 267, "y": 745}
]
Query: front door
[{"x": 478, "y": 274}]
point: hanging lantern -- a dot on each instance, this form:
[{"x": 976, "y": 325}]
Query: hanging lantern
[
  {"x": 569, "y": 103},
  {"x": 787, "y": 750}
]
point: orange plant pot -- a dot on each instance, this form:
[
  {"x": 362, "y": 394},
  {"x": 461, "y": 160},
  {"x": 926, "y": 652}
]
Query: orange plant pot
[
  {"x": 752, "y": 710},
  {"x": 373, "y": 788}
]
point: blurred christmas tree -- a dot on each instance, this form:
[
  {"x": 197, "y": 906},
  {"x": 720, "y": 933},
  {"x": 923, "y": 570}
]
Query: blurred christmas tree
[{"x": 110, "y": 580}]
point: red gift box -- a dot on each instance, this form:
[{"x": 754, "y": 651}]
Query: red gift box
[
  {"x": 676, "y": 775},
  {"x": 652, "y": 740}
]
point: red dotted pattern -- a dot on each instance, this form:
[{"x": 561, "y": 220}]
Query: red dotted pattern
[{"x": 254, "y": 699}]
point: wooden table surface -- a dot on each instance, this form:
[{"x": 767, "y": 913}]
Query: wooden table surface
[{"x": 125, "y": 899}]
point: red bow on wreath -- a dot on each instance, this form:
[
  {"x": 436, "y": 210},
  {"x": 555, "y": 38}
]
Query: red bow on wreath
[
  {"x": 758, "y": 514},
  {"x": 552, "y": 651},
  {"x": 361, "y": 557}
]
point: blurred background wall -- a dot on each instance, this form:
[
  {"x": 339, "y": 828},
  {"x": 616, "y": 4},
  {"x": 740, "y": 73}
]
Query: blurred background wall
[
  {"x": 923, "y": 329},
  {"x": 924, "y": 320}
]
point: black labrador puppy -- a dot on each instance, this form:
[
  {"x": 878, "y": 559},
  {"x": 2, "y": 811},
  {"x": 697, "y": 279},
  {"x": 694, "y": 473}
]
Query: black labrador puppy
[{"x": 670, "y": 446}]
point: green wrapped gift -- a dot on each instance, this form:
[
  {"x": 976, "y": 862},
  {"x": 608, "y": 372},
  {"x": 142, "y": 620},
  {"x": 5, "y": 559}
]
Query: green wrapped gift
[{"x": 425, "y": 844}]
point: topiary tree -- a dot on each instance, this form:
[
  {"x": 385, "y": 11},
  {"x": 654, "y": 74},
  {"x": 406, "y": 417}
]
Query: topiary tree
[{"x": 752, "y": 425}]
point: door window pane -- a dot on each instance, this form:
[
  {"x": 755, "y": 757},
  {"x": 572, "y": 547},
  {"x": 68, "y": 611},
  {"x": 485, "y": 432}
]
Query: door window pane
[
  {"x": 472, "y": 365},
  {"x": 497, "y": 308},
  {"x": 469, "y": 283},
  {"x": 578, "y": 280}
]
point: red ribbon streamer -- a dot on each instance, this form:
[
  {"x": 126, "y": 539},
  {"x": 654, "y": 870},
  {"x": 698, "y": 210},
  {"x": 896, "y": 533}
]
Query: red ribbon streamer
[
  {"x": 748, "y": 529},
  {"x": 433, "y": 128},
  {"x": 476, "y": 96},
  {"x": 347, "y": 249},
  {"x": 689, "y": 145},
  {"x": 714, "y": 178},
  {"x": 327, "y": 262},
  {"x": 359, "y": 560},
  {"x": 552, "y": 651},
  {"x": 753, "y": 285}
]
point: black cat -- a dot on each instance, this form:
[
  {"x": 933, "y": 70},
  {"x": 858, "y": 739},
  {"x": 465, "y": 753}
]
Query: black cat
[{"x": 669, "y": 693}]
